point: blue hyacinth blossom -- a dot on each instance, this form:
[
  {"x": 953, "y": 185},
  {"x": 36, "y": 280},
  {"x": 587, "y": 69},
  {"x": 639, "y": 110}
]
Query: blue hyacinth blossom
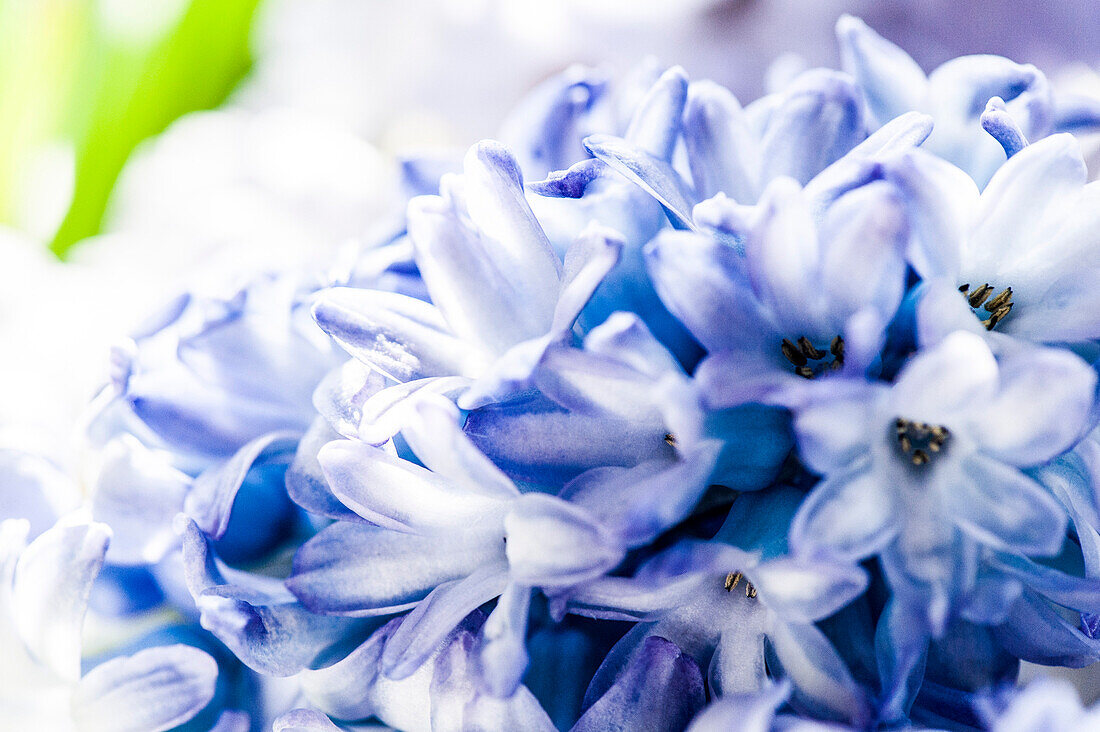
[
  {"x": 811, "y": 296},
  {"x": 911, "y": 470},
  {"x": 1006, "y": 260}
]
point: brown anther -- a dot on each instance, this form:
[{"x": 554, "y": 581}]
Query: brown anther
[
  {"x": 1003, "y": 297},
  {"x": 964, "y": 288},
  {"x": 731, "y": 581},
  {"x": 920, "y": 440},
  {"x": 979, "y": 295},
  {"x": 750, "y": 590},
  {"x": 792, "y": 354},
  {"x": 805, "y": 372},
  {"x": 670, "y": 439},
  {"x": 837, "y": 349},
  {"x": 808, "y": 349}
]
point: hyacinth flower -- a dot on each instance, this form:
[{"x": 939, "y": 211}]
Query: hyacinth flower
[
  {"x": 500, "y": 295},
  {"x": 44, "y": 589},
  {"x": 740, "y": 606},
  {"x": 810, "y": 297},
  {"x": 955, "y": 95},
  {"x": 913, "y": 470},
  {"x": 444, "y": 540},
  {"x": 1006, "y": 260},
  {"x": 624, "y": 403}
]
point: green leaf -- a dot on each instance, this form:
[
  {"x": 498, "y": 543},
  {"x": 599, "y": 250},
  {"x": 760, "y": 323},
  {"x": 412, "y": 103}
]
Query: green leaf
[{"x": 137, "y": 92}]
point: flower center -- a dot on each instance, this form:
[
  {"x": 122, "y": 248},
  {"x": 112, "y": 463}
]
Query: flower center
[
  {"x": 733, "y": 579},
  {"x": 810, "y": 362},
  {"x": 920, "y": 441},
  {"x": 996, "y": 308}
]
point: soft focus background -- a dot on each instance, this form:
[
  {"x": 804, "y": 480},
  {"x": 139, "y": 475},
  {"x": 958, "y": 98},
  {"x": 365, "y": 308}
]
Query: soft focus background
[{"x": 144, "y": 141}]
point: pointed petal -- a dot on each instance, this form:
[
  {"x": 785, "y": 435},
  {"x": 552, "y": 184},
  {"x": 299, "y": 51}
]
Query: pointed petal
[
  {"x": 152, "y": 690},
  {"x": 819, "y": 678},
  {"x": 306, "y": 484},
  {"x": 356, "y": 569},
  {"x": 941, "y": 200},
  {"x": 397, "y": 494},
  {"x": 816, "y": 123},
  {"x": 805, "y": 590},
  {"x": 497, "y": 206},
  {"x": 654, "y": 175},
  {"x": 434, "y": 617},
  {"x": 503, "y": 653},
  {"x": 655, "y": 126},
  {"x": 595, "y": 251},
  {"x": 138, "y": 494},
  {"x": 864, "y": 235},
  {"x": 722, "y": 151},
  {"x": 255, "y": 616},
  {"x": 551, "y": 543},
  {"x": 640, "y": 503},
  {"x": 700, "y": 280},
  {"x": 403, "y": 337},
  {"x": 891, "y": 81},
  {"x": 850, "y": 514},
  {"x": 660, "y": 690},
  {"x": 1013, "y": 213},
  {"x": 49, "y": 594},
  {"x": 211, "y": 499}
]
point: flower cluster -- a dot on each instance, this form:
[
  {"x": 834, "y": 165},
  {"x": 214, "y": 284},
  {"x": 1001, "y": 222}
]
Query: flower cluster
[{"x": 664, "y": 413}]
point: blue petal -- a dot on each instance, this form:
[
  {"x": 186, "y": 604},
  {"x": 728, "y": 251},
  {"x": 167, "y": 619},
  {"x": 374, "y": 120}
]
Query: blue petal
[
  {"x": 850, "y": 514},
  {"x": 660, "y": 690},
  {"x": 901, "y": 648},
  {"x": 49, "y": 593},
  {"x": 818, "y": 121},
  {"x": 436, "y": 616},
  {"x": 552, "y": 543},
  {"x": 138, "y": 494},
  {"x": 400, "y": 495},
  {"x": 654, "y": 175},
  {"x": 804, "y": 590},
  {"x": 306, "y": 484},
  {"x": 722, "y": 151},
  {"x": 820, "y": 681},
  {"x": 997, "y": 121},
  {"x": 211, "y": 499},
  {"x": 459, "y": 703},
  {"x": 152, "y": 690},
  {"x": 357, "y": 569},
  {"x": 655, "y": 126},
  {"x": 891, "y": 81},
  {"x": 1035, "y": 632},
  {"x": 503, "y": 654},
  {"x": 262, "y": 623},
  {"x": 401, "y": 336}
]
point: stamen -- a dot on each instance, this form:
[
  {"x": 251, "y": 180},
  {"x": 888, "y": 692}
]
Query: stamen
[
  {"x": 808, "y": 349},
  {"x": 733, "y": 579},
  {"x": 979, "y": 295},
  {"x": 670, "y": 439},
  {"x": 997, "y": 307},
  {"x": 792, "y": 354},
  {"x": 803, "y": 356},
  {"x": 919, "y": 440}
]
